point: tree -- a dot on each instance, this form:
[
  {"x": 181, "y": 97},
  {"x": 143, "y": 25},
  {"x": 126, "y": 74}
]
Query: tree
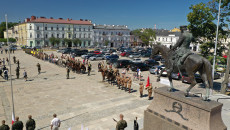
[
  {"x": 106, "y": 43},
  {"x": 3, "y": 27},
  {"x": 54, "y": 41},
  {"x": 67, "y": 42},
  {"x": 146, "y": 36},
  {"x": 76, "y": 41},
  {"x": 12, "y": 40},
  {"x": 201, "y": 21}
]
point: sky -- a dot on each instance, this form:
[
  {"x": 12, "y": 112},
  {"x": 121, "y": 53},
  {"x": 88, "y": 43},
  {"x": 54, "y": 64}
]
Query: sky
[{"x": 166, "y": 14}]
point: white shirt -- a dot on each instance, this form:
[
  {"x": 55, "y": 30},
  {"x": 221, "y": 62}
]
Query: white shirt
[{"x": 55, "y": 122}]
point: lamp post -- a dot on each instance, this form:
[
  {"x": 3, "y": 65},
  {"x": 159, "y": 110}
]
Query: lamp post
[
  {"x": 11, "y": 85},
  {"x": 217, "y": 29}
]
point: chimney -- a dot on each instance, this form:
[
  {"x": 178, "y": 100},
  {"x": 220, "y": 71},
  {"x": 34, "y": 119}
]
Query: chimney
[
  {"x": 27, "y": 19},
  {"x": 81, "y": 19},
  {"x": 42, "y": 17},
  {"x": 51, "y": 18},
  {"x": 60, "y": 18},
  {"x": 67, "y": 19},
  {"x": 86, "y": 19},
  {"x": 33, "y": 18}
]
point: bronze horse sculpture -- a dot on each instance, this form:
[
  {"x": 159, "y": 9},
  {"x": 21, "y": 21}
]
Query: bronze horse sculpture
[{"x": 192, "y": 64}]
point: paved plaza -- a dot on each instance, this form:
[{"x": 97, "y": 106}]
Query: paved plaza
[{"x": 80, "y": 100}]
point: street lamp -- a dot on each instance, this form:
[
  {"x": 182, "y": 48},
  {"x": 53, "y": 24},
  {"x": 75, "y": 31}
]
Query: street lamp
[{"x": 217, "y": 29}]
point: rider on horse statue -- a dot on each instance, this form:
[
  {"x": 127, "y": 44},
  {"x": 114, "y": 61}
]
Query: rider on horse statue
[{"x": 180, "y": 54}]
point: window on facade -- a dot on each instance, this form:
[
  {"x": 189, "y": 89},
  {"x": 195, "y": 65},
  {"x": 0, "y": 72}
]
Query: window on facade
[
  {"x": 166, "y": 39},
  {"x": 57, "y": 35},
  {"x": 79, "y": 35},
  {"x": 69, "y": 28},
  {"x": 30, "y": 27},
  {"x": 69, "y": 35},
  {"x": 30, "y": 35},
  {"x": 46, "y": 36},
  {"x": 75, "y": 35},
  {"x": 63, "y": 28},
  {"x": 84, "y": 35},
  {"x": 38, "y": 36},
  {"x": 163, "y": 39},
  {"x": 88, "y": 35},
  {"x": 37, "y": 27},
  {"x": 89, "y": 29},
  {"x": 52, "y": 35},
  {"x": 52, "y": 28},
  {"x": 159, "y": 39},
  {"x": 171, "y": 39},
  {"x": 63, "y": 35},
  {"x": 83, "y": 29},
  {"x": 111, "y": 33},
  {"x": 45, "y": 28},
  {"x": 57, "y": 27}
]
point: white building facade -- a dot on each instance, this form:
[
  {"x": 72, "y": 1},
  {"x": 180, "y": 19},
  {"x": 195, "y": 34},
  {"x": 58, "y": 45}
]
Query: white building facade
[
  {"x": 39, "y": 30},
  {"x": 114, "y": 35}
]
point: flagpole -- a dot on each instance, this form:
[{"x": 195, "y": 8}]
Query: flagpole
[{"x": 10, "y": 66}]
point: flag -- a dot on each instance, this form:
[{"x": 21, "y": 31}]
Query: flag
[
  {"x": 148, "y": 83},
  {"x": 13, "y": 118}
]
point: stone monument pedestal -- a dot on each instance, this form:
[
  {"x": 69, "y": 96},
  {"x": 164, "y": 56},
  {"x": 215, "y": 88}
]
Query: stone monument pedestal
[{"x": 174, "y": 111}]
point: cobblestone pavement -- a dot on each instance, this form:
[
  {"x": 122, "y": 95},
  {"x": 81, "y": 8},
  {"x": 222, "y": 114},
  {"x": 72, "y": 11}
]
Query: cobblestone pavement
[{"x": 80, "y": 100}]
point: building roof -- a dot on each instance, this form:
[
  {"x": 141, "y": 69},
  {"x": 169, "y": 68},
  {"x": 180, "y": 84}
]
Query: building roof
[
  {"x": 163, "y": 32},
  {"x": 111, "y": 27},
  {"x": 59, "y": 21}
]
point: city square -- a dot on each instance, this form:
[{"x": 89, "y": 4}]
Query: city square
[{"x": 116, "y": 72}]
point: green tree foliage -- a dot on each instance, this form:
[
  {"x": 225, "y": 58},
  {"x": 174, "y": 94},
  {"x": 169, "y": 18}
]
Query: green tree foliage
[
  {"x": 106, "y": 43},
  {"x": 67, "y": 41},
  {"x": 145, "y": 36},
  {"x": 54, "y": 41},
  {"x": 201, "y": 21},
  {"x": 76, "y": 41},
  {"x": 12, "y": 40},
  {"x": 3, "y": 40},
  {"x": 3, "y": 27},
  {"x": 206, "y": 48}
]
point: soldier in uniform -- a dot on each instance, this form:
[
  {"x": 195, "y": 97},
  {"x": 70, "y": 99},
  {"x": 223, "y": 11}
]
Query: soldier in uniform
[
  {"x": 68, "y": 70},
  {"x": 89, "y": 68},
  {"x": 18, "y": 63},
  {"x": 39, "y": 68},
  {"x": 18, "y": 125},
  {"x": 126, "y": 82},
  {"x": 14, "y": 58},
  {"x": 121, "y": 124},
  {"x": 150, "y": 91},
  {"x": 30, "y": 124},
  {"x": 118, "y": 80},
  {"x": 4, "y": 126},
  {"x": 141, "y": 89},
  {"x": 17, "y": 72},
  {"x": 129, "y": 84}
]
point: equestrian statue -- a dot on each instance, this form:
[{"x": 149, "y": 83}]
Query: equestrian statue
[{"x": 180, "y": 59}]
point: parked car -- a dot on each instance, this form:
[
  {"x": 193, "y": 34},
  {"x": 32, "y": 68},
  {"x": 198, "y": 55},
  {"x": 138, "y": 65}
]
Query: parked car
[
  {"x": 216, "y": 75},
  {"x": 123, "y": 54},
  {"x": 111, "y": 60},
  {"x": 151, "y": 62},
  {"x": 154, "y": 69},
  {"x": 97, "y": 52},
  {"x": 141, "y": 66},
  {"x": 97, "y": 57},
  {"x": 78, "y": 52},
  {"x": 164, "y": 73},
  {"x": 87, "y": 56},
  {"x": 122, "y": 63},
  {"x": 135, "y": 55},
  {"x": 112, "y": 57},
  {"x": 157, "y": 58},
  {"x": 136, "y": 60},
  {"x": 60, "y": 50},
  {"x": 67, "y": 51},
  {"x": 220, "y": 68},
  {"x": 146, "y": 54},
  {"x": 186, "y": 79}
]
